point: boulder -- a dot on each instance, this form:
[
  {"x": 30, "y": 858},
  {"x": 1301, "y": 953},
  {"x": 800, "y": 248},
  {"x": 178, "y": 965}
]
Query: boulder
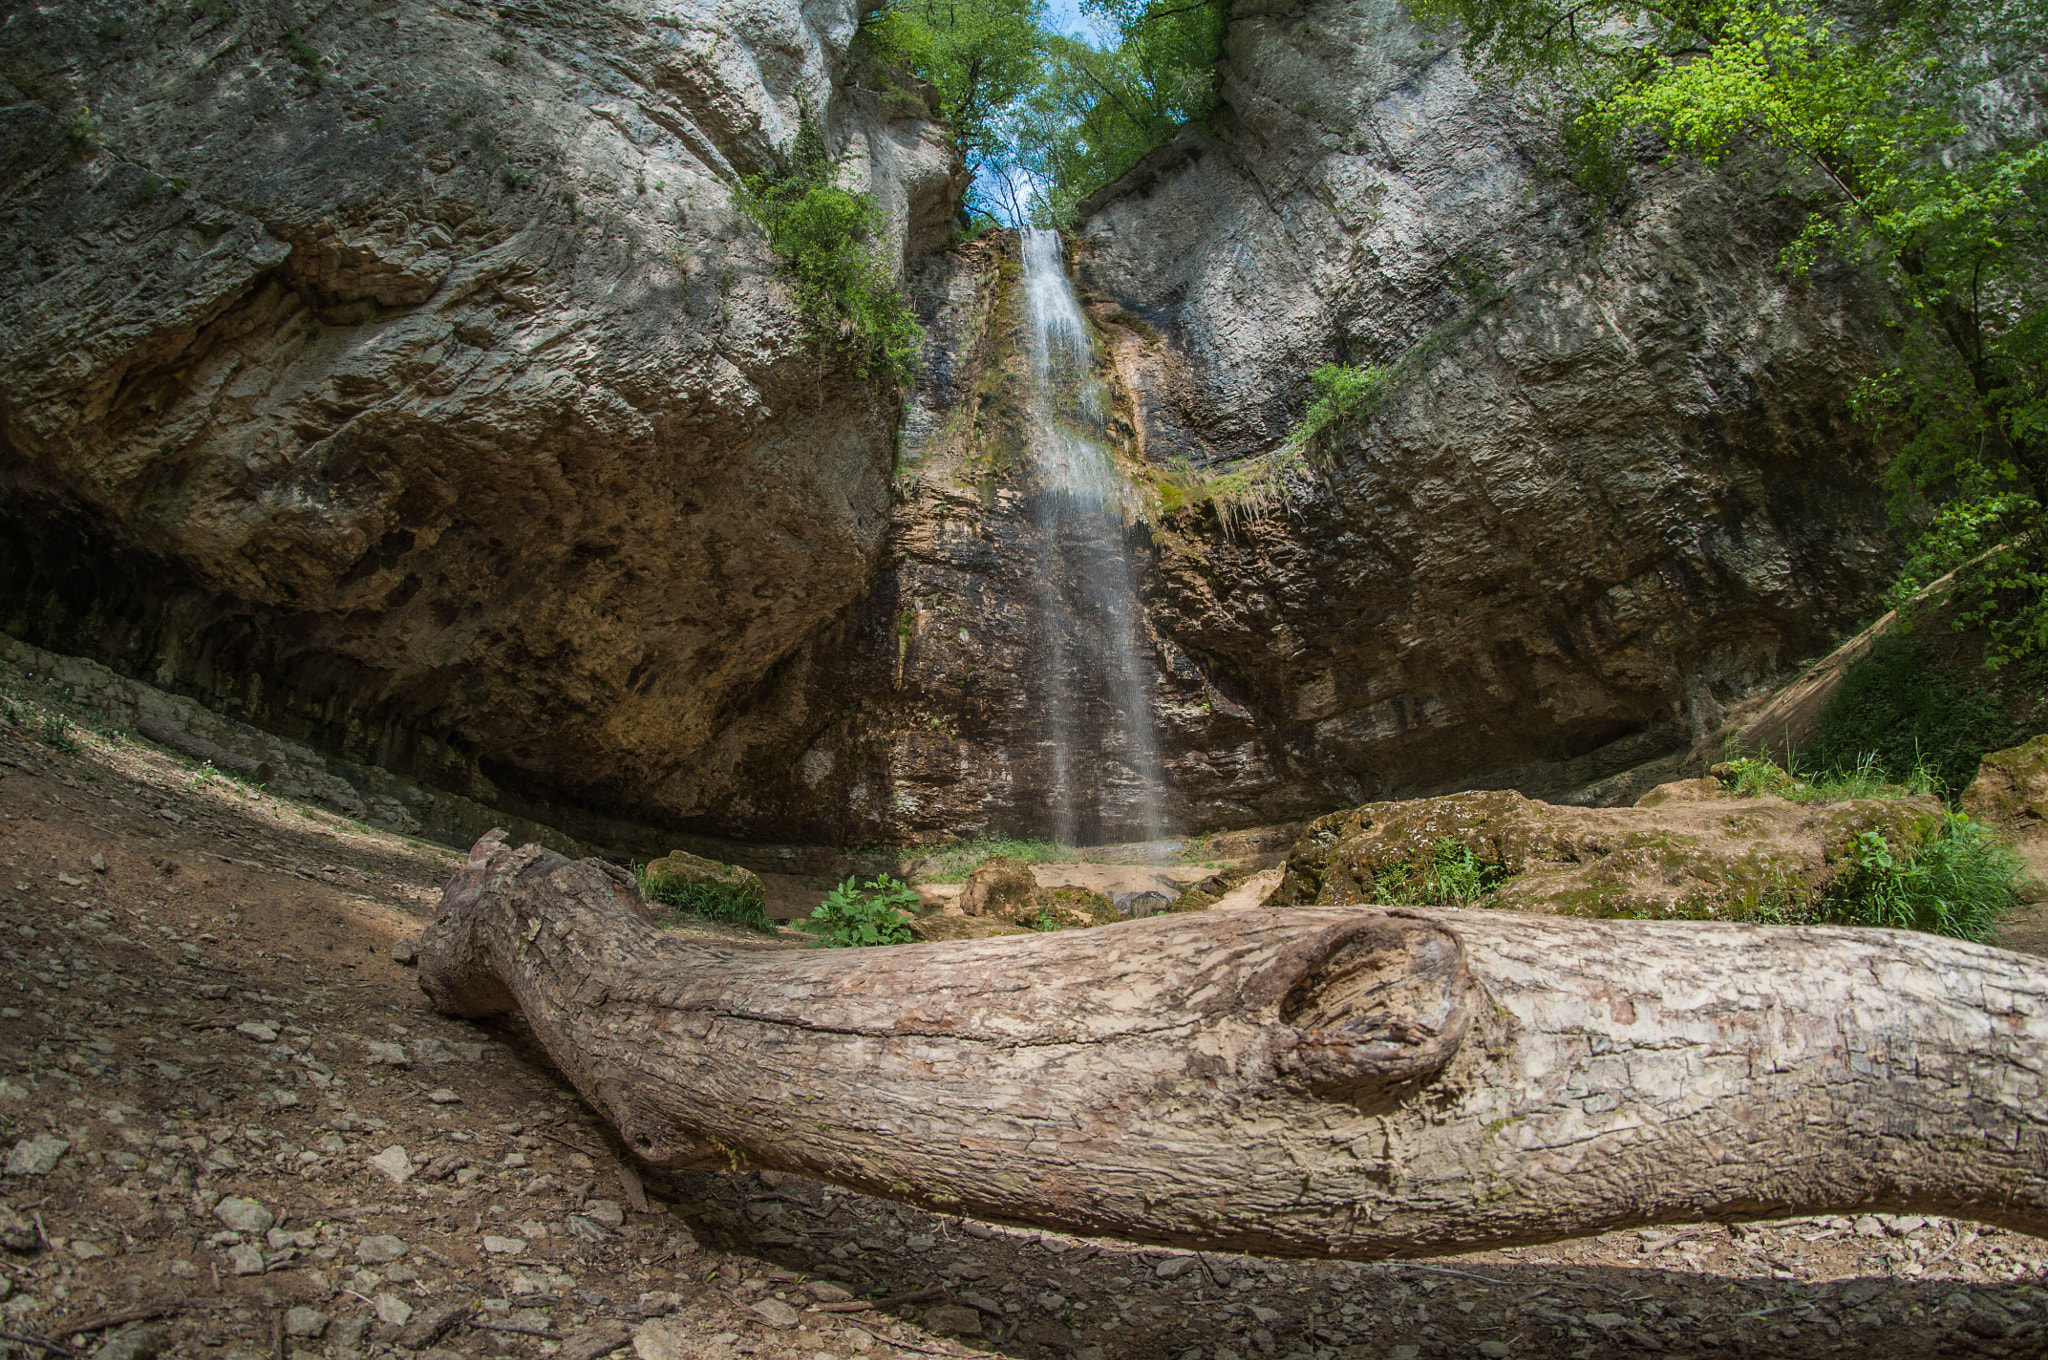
[
  {"x": 1690, "y": 856},
  {"x": 2011, "y": 787},
  {"x": 680, "y": 867}
]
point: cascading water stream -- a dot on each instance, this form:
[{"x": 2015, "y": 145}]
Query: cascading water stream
[{"x": 1088, "y": 609}]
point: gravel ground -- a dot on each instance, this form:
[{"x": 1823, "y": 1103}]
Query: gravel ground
[{"x": 232, "y": 1129}]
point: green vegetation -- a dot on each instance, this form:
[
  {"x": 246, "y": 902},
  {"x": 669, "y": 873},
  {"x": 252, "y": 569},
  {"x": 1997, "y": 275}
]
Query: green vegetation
[
  {"x": 955, "y": 862},
  {"x": 1886, "y": 119},
  {"x": 56, "y": 732},
  {"x": 1044, "y": 119},
  {"x": 1448, "y": 875},
  {"x": 820, "y": 232},
  {"x": 1864, "y": 777},
  {"x": 1959, "y": 883},
  {"x": 303, "y": 52},
  {"x": 1343, "y": 393},
  {"x": 874, "y": 913},
  {"x": 1900, "y": 711},
  {"x": 704, "y": 900}
]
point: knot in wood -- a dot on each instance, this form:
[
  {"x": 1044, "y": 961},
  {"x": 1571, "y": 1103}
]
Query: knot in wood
[{"x": 1380, "y": 1004}]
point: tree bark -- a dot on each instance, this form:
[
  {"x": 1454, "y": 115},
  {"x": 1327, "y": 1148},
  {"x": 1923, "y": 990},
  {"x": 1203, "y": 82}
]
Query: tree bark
[{"x": 1347, "y": 1082}]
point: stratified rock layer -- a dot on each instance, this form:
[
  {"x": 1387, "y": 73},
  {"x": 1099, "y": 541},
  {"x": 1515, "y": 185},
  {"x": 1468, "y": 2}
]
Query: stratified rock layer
[{"x": 407, "y": 382}]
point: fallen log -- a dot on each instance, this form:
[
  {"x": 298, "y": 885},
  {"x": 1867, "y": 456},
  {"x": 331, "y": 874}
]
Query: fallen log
[{"x": 1322, "y": 1081}]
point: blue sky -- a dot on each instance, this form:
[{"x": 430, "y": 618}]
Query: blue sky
[{"x": 1066, "y": 16}]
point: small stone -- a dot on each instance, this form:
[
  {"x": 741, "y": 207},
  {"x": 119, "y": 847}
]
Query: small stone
[
  {"x": 777, "y": 1313},
  {"x": 141, "y": 1342},
  {"x": 1495, "y": 1350},
  {"x": 664, "y": 1340},
  {"x": 393, "y": 1311},
  {"x": 393, "y": 1162},
  {"x": 1606, "y": 1322},
  {"x": 304, "y": 1322},
  {"x": 504, "y": 1246},
  {"x": 246, "y": 1259},
  {"x": 244, "y": 1215},
  {"x": 824, "y": 1291},
  {"x": 36, "y": 1155},
  {"x": 99, "y": 863},
  {"x": 16, "y": 1232},
  {"x": 1173, "y": 1267},
  {"x": 952, "y": 1320},
  {"x": 390, "y": 1055},
  {"x": 605, "y": 1211},
  {"x": 443, "y": 1096},
  {"x": 405, "y": 952},
  {"x": 1907, "y": 1224},
  {"x": 379, "y": 1248},
  {"x": 257, "y": 1030}
]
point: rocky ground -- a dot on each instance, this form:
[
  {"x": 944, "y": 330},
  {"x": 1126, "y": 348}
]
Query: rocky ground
[{"x": 232, "y": 1129}]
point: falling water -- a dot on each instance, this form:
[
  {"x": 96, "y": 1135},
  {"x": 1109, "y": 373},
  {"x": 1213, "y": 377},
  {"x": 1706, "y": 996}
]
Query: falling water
[{"x": 1088, "y": 610}]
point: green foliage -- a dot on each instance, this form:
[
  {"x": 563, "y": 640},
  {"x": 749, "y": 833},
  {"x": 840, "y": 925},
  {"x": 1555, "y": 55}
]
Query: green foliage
[
  {"x": 1861, "y": 776},
  {"x": 83, "y": 133},
  {"x": 1343, "y": 393},
  {"x": 1099, "y": 109},
  {"x": 1449, "y": 875},
  {"x": 820, "y": 232},
  {"x": 706, "y": 901},
  {"x": 1959, "y": 883},
  {"x": 56, "y": 732},
  {"x": 877, "y": 912},
  {"x": 504, "y": 55},
  {"x": 1899, "y": 711},
  {"x": 954, "y": 863},
  {"x": 1889, "y": 117}
]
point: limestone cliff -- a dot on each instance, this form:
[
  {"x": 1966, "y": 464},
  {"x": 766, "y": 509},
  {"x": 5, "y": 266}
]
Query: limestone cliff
[
  {"x": 1614, "y": 487},
  {"x": 399, "y": 376}
]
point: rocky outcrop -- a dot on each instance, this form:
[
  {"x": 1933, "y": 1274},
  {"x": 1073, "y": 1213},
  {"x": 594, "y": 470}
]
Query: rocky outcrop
[
  {"x": 1613, "y": 489},
  {"x": 399, "y": 377}
]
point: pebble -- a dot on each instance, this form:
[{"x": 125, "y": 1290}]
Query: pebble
[
  {"x": 779, "y": 1314},
  {"x": 306, "y": 1322},
  {"x": 36, "y": 1155},
  {"x": 390, "y": 1055},
  {"x": 379, "y": 1248},
  {"x": 663, "y": 1340},
  {"x": 393, "y": 1310},
  {"x": 245, "y": 1259},
  {"x": 1173, "y": 1267},
  {"x": 244, "y": 1215},
  {"x": 393, "y": 1162},
  {"x": 605, "y": 1211},
  {"x": 443, "y": 1096},
  {"x": 504, "y": 1246},
  {"x": 257, "y": 1030}
]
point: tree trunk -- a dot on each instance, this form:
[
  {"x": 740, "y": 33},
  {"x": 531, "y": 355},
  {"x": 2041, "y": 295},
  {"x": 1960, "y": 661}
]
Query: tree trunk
[{"x": 1349, "y": 1082}]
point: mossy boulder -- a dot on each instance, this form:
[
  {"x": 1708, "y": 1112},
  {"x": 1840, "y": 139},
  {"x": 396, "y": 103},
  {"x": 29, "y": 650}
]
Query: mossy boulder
[
  {"x": 1004, "y": 889},
  {"x": 2011, "y": 787},
  {"x": 1694, "y": 853},
  {"x": 680, "y": 868}
]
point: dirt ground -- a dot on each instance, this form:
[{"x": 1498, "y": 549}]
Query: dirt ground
[{"x": 233, "y": 1130}]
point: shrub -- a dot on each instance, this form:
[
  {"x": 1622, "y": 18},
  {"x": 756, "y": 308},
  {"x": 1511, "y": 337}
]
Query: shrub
[
  {"x": 845, "y": 291},
  {"x": 303, "y": 52},
  {"x": 1449, "y": 874},
  {"x": 56, "y": 732},
  {"x": 871, "y": 914},
  {"x": 706, "y": 901},
  {"x": 1902, "y": 709},
  {"x": 1959, "y": 883},
  {"x": 1343, "y": 392}
]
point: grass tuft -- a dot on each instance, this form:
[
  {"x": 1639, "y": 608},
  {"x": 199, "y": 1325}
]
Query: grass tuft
[{"x": 705, "y": 901}]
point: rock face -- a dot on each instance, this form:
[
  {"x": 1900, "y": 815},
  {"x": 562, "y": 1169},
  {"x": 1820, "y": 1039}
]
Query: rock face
[
  {"x": 406, "y": 382},
  {"x": 1612, "y": 489}
]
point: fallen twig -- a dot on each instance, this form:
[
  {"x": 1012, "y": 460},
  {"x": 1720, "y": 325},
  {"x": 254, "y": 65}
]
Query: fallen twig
[{"x": 41, "y": 1341}]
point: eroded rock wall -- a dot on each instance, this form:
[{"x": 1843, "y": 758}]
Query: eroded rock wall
[
  {"x": 399, "y": 376},
  {"x": 1614, "y": 488}
]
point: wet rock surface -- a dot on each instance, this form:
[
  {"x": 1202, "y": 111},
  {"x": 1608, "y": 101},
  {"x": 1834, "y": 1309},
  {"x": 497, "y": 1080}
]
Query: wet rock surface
[{"x": 520, "y": 1234}]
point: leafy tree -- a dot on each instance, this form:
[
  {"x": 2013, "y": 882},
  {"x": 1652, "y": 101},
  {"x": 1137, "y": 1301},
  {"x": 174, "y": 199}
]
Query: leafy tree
[
  {"x": 1916, "y": 128},
  {"x": 982, "y": 56},
  {"x": 1099, "y": 109}
]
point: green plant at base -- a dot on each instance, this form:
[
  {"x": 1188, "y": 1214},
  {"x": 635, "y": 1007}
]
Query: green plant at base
[
  {"x": 954, "y": 863},
  {"x": 1448, "y": 874},
  {"x": 1959, "y": 883},
  {"x": 820, "y": 232},
  {"x": 704, "y": 900},
  {"x": 56, "y": 732},
  {"x": 1903, "y": 711},
  {"x": 1044, "y": 924},
  {"x": 1863, "y": 777},
  {"x": 855, "y": 916}
]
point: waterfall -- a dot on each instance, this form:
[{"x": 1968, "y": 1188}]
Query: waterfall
[{"x": 1089, "y": 616}]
